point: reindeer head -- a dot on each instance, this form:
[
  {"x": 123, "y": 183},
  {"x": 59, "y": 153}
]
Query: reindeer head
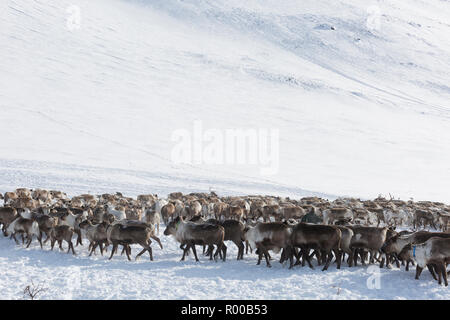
[{"x": 172, "y": 227}]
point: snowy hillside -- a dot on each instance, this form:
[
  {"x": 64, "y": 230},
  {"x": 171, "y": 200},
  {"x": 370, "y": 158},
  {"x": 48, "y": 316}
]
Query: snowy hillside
[{"x": 361, "y": 109}]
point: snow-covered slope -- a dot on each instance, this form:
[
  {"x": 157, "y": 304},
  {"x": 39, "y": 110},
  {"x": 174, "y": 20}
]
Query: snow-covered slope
[
  {"x": 360, "y": 110},
  {"x": 360, "y": 99}
]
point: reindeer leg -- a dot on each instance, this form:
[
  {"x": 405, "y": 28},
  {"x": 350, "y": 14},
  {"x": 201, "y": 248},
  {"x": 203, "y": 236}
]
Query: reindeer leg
[
  {"x": 318, "y": 256},
  {"x": 355, "y": 256},
  {"x": 209, "y": 250},
  {"x": 240, "y": 246},
  {"x": 330, "y": 257},
  {"x": 128, "y": 251},
  {"x": 150, "y": 252},
  {"x": 307, "y": 258},
  {"x": 431, "y": 268},
  {"x": 93, "y": 247},
  {"x": 337, "y": 253},
  {"x": 383, "y": 260},
  {"x": 157, "y": 240},
  {"x": 79, "y": 238},
  {"x": 140, "y": 253},
  {"x": 396, "y": 261},
  {"x": 298, "y": 256},
  {"x": 444, "y": 274},
  {"x": 212, "y": 252},
  {"x": 363, "y": 255},
  {"x": 266, "y": 255},
  {"x": 220, "y": 247},
  {"x": 290, "y": 254},
  {"x": 13, "y": 236},
  {"x": 195, "y": 253},
  {"x": 29, "y": 241},
  {"x": 40, "y": 240},
  {"x": 71, "y": 246},
  {"x": 185, "y": 249},
  {"x": 439, "y": 272},
  {"x": 418, "y": 272},
  {"x": 113, "y": 250},
  {"x": 258, "y": 249},
  {"x": 224, "y": 249},
  {"x": 350, "y": 259}
]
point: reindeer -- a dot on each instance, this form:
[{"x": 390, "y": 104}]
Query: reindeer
[
  {"x": 73, "y": 221},
  {"x": 191, "y": 234},
  {"x": 46, "y": 223},
  {"x": 395, "y": 244},
  {"x": 96, "y": 234},
  {"x": 323, "y": 238},
  {"x": 367, "y": 238},
  {"x": 62, "y": 233},
  {"x": 24, "y": 226},
  {"x": 423, "y": 217},
  {"x": 269, "y": 236},
  {"x": 433, "y": 252},
  {"x": 234, "y": 231},
  {"x": 10, "y": 196},
  {"x": 7, "y": 215},
  {"x": 129, "y": 232},
  {"x": 153, "y": 217},
  {"x": 167, "y": 212}
]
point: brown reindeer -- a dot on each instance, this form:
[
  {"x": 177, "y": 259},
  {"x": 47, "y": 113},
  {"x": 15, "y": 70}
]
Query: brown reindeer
[
  {"x": 60, "y": 234},
  {"x": 128, "y": 232},
  {"x": 234, "y": 231},
  {"x": 346, "y": 239},
  {"x": 167, "y": 212},
  {"x": 325, "y": 239},
  {"x": 7, "y": 215},
  {"x": 269, "y": 236},
  {"x": 395, "y": 244},
  {"x": 433, "y": 252},
  {"x": 367, "y": 238},
  {"x": 220, "y": 209},
  {"x": 26, "y": 227},
  {"x": 96, "y": 234},
  {"x": 189, "y": 234},
  {"x": 9, "y": 196},
  {"x": 46, "y": 224},
  {"x": 423, "y": 218}
]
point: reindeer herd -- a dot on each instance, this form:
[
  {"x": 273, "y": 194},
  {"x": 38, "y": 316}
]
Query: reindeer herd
[{"x": 347, "y": 230}]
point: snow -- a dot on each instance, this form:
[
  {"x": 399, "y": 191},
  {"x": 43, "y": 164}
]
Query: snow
[
  {"x": 361, "y": 111},
  {"x": 81, "y": 277},
  {"x": 356, "y": 117}
]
